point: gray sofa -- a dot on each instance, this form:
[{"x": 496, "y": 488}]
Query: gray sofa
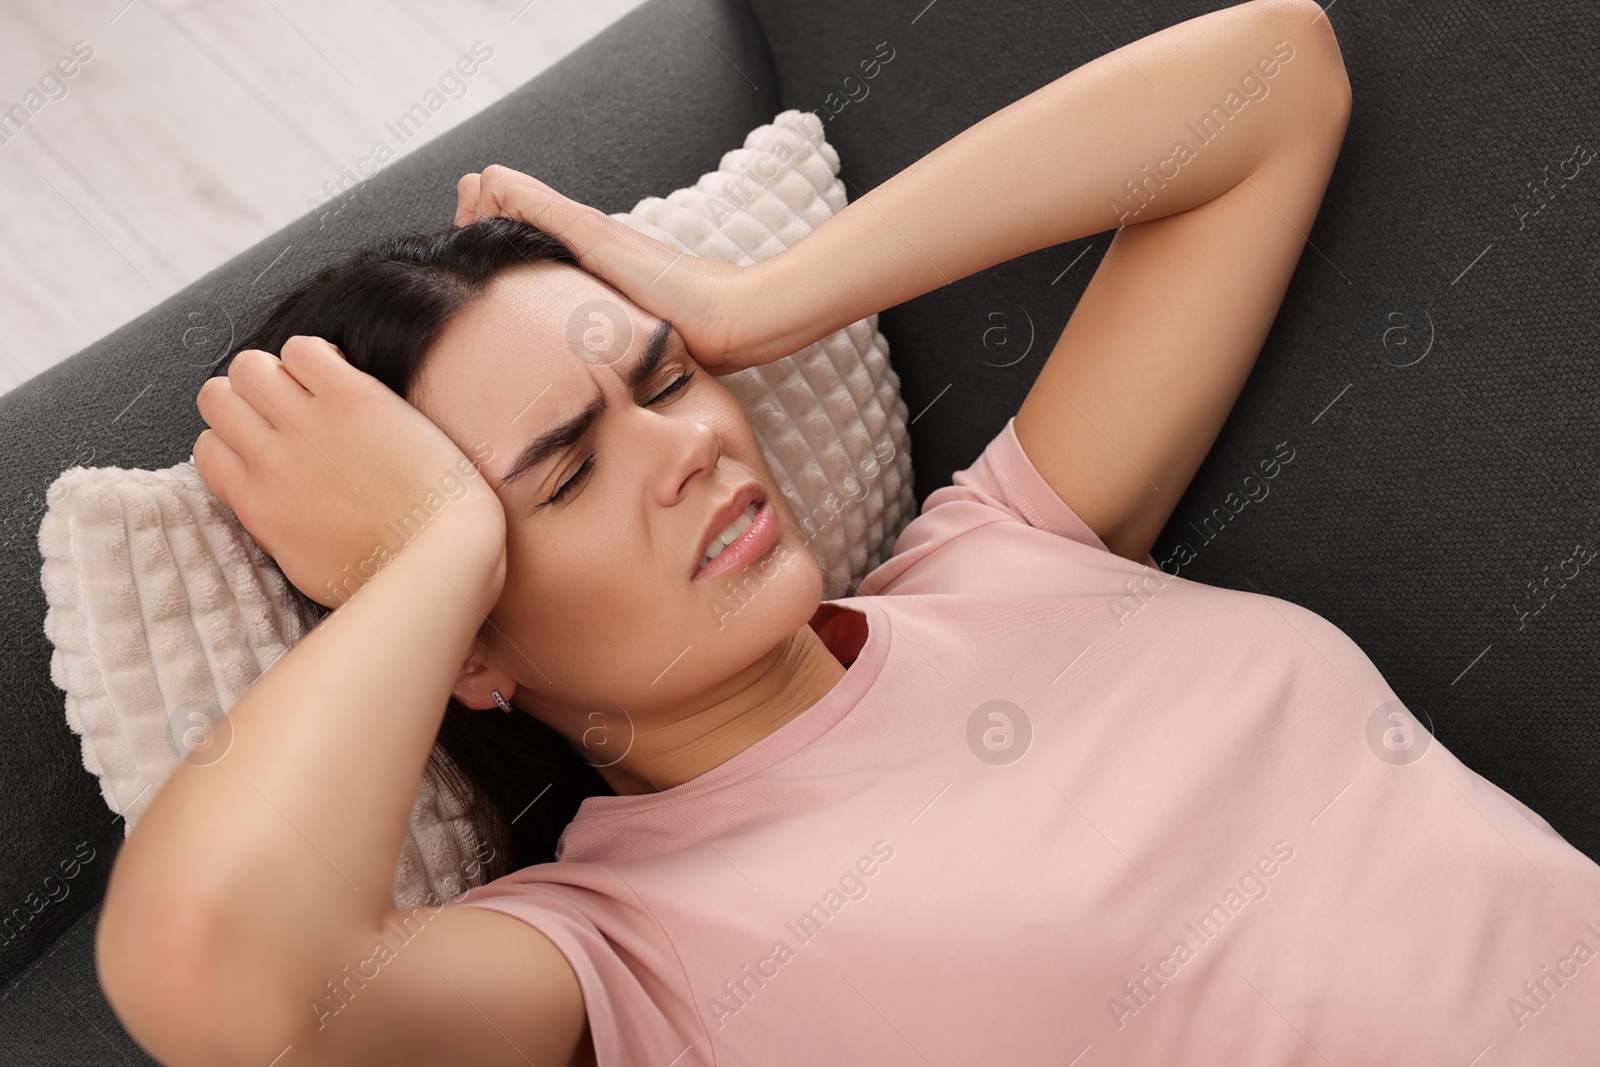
[{"x": 1433, "y": 370}]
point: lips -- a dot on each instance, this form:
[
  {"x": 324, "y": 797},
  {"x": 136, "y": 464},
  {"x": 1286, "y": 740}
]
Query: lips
[{"x": 743, "y": 497}]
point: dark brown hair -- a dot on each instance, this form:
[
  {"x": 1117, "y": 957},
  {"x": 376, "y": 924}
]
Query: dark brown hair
[{"x": 384, "y": 306}]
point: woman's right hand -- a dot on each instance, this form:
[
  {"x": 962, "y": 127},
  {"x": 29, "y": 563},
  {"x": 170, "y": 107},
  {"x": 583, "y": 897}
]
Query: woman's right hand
[
  {"x": 322, "y": 464},
  {"x": 725, "y": 317}
]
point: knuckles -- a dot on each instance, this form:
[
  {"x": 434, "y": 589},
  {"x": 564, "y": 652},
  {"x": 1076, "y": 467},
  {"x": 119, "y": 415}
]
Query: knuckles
[
  {"x": 496, "y": 174},
  {"x": 250, "y": 360},
  {"x": 303, "y": 345}
]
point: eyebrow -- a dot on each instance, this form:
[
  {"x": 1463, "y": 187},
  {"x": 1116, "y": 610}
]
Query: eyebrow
[{"x": 571, "y": 431}]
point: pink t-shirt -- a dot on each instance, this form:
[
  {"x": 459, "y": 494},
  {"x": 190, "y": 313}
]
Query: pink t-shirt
[{"x": 1066, "y": 809}]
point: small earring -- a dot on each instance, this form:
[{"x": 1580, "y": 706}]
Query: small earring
[{"x": 498, "y": 699}]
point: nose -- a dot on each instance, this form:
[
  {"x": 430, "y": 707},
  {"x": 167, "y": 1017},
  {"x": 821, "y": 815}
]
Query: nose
[{"x": 681, "y": 446}]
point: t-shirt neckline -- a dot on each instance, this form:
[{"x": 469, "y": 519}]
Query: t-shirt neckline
[{"x": 785, "y": 741}]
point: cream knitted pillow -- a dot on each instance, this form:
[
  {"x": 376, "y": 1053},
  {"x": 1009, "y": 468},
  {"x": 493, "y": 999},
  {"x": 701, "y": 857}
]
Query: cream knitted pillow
[{"x": 163, "y": 611}]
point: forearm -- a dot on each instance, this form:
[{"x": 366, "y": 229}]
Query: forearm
[
  {"x": 1093, "y": 150},
  {"x": 291, "y": 837}
]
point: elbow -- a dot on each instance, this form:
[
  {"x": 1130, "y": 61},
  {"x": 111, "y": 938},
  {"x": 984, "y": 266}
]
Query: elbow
[
  {"x": 146, "y": 971},
  {"x": 162, "y": 977},
  {"x": 1337, "y": 76},
  {"x": 1306, "y": 26},
  {"x": 1303, "y": 25}
]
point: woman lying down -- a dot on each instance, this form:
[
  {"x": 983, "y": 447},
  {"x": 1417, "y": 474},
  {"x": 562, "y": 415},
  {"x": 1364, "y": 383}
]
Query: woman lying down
[{"x": 968, "y": 815}]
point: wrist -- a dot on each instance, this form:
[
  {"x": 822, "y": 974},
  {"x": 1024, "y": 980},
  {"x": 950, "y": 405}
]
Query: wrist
[
  {"x": 474, "y": 537},
  {"x": 477, "y": 539},
  {"x": 779, "y": 299}
]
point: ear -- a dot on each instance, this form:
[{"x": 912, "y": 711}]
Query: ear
[{"x": 476, "y": 681}]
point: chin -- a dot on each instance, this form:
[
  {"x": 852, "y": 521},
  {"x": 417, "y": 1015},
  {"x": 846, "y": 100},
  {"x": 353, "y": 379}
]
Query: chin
[{"x": 781, "y": 591}]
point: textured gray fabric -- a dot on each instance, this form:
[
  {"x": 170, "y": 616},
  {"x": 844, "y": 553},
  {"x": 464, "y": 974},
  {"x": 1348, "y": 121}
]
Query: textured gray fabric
[
  {"x": 647, "y": 106},
  {"x": 1421, "y": 499},
  {"x": 55, "y": 1014}
]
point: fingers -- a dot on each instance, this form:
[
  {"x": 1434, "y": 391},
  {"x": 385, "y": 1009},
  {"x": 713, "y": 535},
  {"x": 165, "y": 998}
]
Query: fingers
[
  {"x": 314, "y": 364},
  {"x": 467, "y": 200},
  {"x": 606, "y": 247},
  {"x": 499, "y": 191},
  {"x": 513, "y": 194},
  {"x": 504, "y": 191},
  {"x": 232, "y": 418},
  {"x": 261, "y": 381},
  {"x": 220, "y": 467}
]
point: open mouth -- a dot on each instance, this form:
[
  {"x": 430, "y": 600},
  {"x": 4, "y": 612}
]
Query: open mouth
[{"x": 743, "y": 540}]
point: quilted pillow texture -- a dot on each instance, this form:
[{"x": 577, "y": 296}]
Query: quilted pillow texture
[{"x": 163, "y": 611}]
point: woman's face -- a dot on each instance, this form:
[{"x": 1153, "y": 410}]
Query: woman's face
[{"x": 600, "y": 610}]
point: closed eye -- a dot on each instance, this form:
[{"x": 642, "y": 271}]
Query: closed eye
[{"x": 583, "y": 471}]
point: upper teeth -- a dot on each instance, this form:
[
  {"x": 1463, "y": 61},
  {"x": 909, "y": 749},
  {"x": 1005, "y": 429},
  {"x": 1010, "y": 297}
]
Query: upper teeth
[{"x": 731, "y": 533}]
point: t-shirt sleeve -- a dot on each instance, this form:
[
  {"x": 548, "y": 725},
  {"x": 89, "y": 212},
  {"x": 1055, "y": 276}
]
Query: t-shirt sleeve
[
  {"x": 1001, "y": 485},
  {"x": 622, "y": 971}
]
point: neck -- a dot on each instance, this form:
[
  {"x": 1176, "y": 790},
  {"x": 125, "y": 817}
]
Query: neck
[{"x": 790, "y": 678}]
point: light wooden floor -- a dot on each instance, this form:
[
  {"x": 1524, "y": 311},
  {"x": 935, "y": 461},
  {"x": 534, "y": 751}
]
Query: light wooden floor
[{"x": 197, "y": 127}]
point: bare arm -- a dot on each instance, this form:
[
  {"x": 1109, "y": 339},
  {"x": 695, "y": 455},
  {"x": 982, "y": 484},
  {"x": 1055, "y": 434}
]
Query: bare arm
[
  {"x": 1064, "y": 162},
  {"x": 1056, "y": 165},
  {"x": 255, "y": 880},
  {"x": 1253, "y": 102},
  {"x": 1156, "y": 351}
]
